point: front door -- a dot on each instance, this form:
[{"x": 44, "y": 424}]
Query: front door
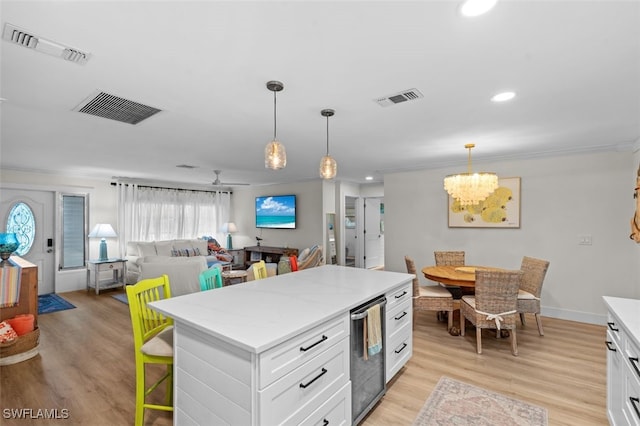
[{"x": 41, "y": 253}]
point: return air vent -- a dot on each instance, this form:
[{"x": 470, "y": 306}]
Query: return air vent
[
  {"x": 113, "y": 107},
  {"x": 404, "y": 96},
  {"x": 29, "y": 40}
]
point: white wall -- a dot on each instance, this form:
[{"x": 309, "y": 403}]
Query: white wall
[
  {"x": 310, "y": 216},
  {"x": 562, "y": 197}
]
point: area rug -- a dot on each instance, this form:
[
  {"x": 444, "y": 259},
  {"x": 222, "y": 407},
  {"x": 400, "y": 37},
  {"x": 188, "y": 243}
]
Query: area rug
[
  {"x": 51, "y": 302},
  {"x": 458, "y": 403},
  {"x": 122, "y": 297}
]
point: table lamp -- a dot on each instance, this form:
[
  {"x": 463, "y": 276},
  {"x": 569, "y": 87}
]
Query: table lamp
[
  {"x": 103, "y": 230},
  {"x": 228, "y": 228}
]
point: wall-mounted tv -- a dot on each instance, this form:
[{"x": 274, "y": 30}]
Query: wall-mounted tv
[{"x": 276, "y": 212}]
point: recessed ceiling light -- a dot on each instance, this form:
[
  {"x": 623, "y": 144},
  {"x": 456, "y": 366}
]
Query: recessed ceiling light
[
  {"x": 369, "y": 178},
  {"x": 504, "y": 96},
  {"x": 477, "y": 7}
]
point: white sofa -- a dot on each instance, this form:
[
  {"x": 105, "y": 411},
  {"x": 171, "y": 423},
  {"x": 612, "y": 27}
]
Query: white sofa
[
  {"x": 183, "y": 272},
  {"x": 139, "y": 252}
]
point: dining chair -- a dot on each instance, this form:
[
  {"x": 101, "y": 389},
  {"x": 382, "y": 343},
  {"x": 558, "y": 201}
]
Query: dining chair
[
  {"x": 494, "y": 305},
  {"x": 429, "y": 297},
  {"x": 210, "y": 278},
  {"x": 153, "y": 341},
  {"x": 293, "y": 260},
  {"x": 450, "y": 258},
  {"x": 530, "y": 288},
  {"x": 259, "y": 270}
]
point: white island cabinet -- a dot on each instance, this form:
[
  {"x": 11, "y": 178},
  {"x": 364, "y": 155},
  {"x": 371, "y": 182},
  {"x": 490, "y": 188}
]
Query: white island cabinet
[
  {"x": 623, "y": 367},
  {"x": 277, "y": 350}
]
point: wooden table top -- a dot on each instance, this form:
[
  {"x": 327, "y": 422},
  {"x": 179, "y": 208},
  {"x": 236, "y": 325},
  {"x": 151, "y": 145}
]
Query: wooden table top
[{"x": 463, "y": 276}]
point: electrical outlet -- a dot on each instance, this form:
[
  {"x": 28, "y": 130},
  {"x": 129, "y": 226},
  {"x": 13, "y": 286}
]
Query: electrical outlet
[{"x": 584, "y": 240}]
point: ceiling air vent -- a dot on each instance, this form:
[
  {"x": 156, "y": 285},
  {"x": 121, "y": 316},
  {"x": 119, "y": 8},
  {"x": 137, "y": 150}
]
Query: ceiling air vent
[
  {"x": 29, "y": 40},
  {"x": 404, "y": 96},
  {"x": 113, "y": 107}
]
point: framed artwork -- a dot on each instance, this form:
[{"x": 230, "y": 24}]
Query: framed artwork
[{"x": 500, "y": 210}]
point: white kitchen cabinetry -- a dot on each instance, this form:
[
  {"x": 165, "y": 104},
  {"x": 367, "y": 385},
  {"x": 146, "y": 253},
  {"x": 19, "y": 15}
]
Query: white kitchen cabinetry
[
  {"x": 276, "y": 351},
  {"x": 398, "y": 330},
  {"x": 623, "y": 368}
]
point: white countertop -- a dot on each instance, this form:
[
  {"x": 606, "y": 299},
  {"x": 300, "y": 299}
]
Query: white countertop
[
  {"x": 258, "y": 315},
  {"x": 628, "y": 312}
]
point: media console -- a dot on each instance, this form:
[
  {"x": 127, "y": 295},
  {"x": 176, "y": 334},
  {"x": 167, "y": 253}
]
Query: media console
[{"x": 254, "y": 254}]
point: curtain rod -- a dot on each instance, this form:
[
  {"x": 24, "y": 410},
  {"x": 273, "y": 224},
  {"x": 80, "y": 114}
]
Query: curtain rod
[{"x": 167, "y": 187}]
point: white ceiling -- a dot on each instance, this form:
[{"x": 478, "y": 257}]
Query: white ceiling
[{"x": 575, "y": 66}]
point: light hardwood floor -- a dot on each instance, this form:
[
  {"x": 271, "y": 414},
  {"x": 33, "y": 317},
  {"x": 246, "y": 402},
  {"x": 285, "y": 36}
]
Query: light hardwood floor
[{"x": 86, "y": 366}]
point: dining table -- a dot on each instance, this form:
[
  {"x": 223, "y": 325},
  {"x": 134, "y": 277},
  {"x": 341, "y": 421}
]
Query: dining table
[{"x": 460, "y": 276}]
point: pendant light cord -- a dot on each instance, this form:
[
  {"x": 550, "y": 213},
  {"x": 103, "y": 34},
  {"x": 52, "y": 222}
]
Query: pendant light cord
[
  {"x": 274, "y": 117},
  {"x": 327, "y": 135}
]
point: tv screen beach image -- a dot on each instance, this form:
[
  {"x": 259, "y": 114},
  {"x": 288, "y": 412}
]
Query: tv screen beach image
[{"x": 277, "y": 211}]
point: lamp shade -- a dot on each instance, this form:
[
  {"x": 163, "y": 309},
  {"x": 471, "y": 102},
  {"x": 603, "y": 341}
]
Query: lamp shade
[
  {"x": 229, "y": 227},
  {"x": 102, "y": 230}
]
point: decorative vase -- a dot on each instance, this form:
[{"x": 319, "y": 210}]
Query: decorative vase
[{"x": 8, "y": 244}]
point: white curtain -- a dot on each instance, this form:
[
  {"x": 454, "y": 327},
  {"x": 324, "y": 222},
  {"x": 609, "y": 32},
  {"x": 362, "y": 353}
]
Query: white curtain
[{"x": 152, "y": 214}]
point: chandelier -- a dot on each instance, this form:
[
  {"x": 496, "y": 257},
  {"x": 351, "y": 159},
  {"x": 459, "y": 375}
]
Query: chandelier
[
  {"x": 275, "y": 157},
  {"x": 328, "y": 166},
  {"x": 470, "y": 188}
]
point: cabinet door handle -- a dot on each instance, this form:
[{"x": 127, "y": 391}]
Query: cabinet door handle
[
  {"x": 316, "y": 343},
  {"x": 325, "y": 422},
  {"x": 634, "y": 402},
  {"x": 404, "y": 345},
  {"x": 304, "y": 386},
  {"x": 634, "y": 362},
  {"x": 399, "y": 317},
  {"x": 609, "y": 346},
  {"x": 611, "y": 326},
  {"x": 401, "y": 295}
]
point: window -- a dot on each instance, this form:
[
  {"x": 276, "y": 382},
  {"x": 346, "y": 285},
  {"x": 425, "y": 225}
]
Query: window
[
  {"x": 73, "y": 248},
  {"x": 23, "y": 224}
]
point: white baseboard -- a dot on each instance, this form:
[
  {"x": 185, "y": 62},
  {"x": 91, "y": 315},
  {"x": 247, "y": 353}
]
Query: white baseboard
[{"x": 587, "y": 317}]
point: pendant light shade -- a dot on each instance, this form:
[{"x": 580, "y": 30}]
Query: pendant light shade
[
  {"x": 275, "y": 156},
  {"x": 470, "y": 188},
  {"x": 328, "y": 166}
]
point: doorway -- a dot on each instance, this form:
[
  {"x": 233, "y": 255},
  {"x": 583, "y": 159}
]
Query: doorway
[
  {"x": 41, "y": 204},
  {"x": 373, "y": 233}
]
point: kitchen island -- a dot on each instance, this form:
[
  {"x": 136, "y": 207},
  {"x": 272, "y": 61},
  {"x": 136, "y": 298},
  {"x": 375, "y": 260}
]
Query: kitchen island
[{"x": 276, "y": 350}]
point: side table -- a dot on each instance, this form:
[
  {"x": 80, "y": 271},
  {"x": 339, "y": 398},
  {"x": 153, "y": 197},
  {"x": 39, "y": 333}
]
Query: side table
[
  {"x": 229, "y": 276},
  {"x": 94, "y": 267}
]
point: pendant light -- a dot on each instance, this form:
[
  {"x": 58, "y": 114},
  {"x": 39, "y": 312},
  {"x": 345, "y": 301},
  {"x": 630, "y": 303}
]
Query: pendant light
[
  {"x": 328, "y": 166},
  {"x": 471, "y": 188},
  {"x": 275, "y": 157}
]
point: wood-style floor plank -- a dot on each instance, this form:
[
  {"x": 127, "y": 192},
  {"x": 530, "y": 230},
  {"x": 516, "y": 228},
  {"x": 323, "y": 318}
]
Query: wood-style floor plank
[{"x": 86, "y": 366}]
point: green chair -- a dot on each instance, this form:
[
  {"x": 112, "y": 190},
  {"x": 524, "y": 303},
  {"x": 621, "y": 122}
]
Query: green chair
[
  {"x": 210, "y": 279},
  {"x": 153, "y": 341},
  {"x": 259, "y": 270}
]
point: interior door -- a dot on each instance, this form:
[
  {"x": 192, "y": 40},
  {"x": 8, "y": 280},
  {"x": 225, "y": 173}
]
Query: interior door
[
  {"x": 373, "y": 233},
  {"x": 41, "y": 253}
]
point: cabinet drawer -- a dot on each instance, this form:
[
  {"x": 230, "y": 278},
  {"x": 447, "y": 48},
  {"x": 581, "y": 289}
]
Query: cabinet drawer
[
  {"x": 102, "y": 267},
  {"x": 396, "y": 297},
  {"x": 286, "y": 357},
  {"x": 295, "y": 396},
  {"x": 398, "y": 317},
  {"x": 336, "y": 411},
  {"x": 631, "y": 405},
  {"x": 632, "y": 354},
  {"x": 613, "y": 329},
  {"x": 398, "y": 352}
]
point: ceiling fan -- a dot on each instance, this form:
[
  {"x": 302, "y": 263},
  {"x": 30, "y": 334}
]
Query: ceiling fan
[{"x": 218, "y": 183}]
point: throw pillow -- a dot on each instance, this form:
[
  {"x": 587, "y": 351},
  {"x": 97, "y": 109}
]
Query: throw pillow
[
  {"x": 303, "y": 255},
  {"x": 7, "y": 333}
]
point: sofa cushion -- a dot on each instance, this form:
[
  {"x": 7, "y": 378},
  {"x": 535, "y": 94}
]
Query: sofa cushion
[
  {"x": 146, "y": 249},
  {"x": 163, "y": 248},
  {"x": 182, "y": 245},
  {"x": 201, "y": 245}
]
